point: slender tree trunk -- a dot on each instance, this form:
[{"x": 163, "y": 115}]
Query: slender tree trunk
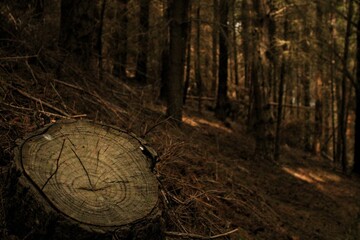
[
  {"x": 306, "y": 85},
  {"x": 281, "y": 93},
  {"x": 100, "y": 42},
  {"x": 120, "y": 39},
  {"x": 261, "y": 112},
  {"x": 141, "y": 64},
  {"x": 165, "y": 58},
  {"x": 319, "y": 82},
  {"x": 198, "y": 78},
  {"x": 178, "y": 36},
  {"x": 188, "y": 61},
  {"x": 235, "y": 50},
  {"x": 272, "y": 53},
  {"x": 222, "y": 99},
  {"x": 333, "y": 100},
  {"x": 247, "y": 43},
  {"x": 343, "y": 115},
  {"x": 215, "y": 36},
  {"x": 356, "y": 168}
]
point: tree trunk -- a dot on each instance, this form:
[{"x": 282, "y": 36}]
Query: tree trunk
[
  {"x": 332, "y": 85},
  {"x": 343, "y": 113},
  {"x": 82, "y": 180},
  {"x": 235, "y": 50},
  {"x": 77, "y": 30},
  {"x": 199, "y": 83},
  {"x": 319, "y": 82},
  {"x": 356, "y": 168},
  {"x": 120, "y": 39},
  {"x": 261, "y": 117},
  {"x": 306, "y": 85},
  {"x": 188, "y": 61},
  {"x": 100, "y": 42},
  {"x": 215, "y": 36},
  {"x": 178, "y": 36},
  {"x": 281, "y": 92},
  {"x": 165, "y": 54},
  {"x": 246, "y": 43},
  {"x": 141, "y": 64},
  {"x": 222, "y": 99}
]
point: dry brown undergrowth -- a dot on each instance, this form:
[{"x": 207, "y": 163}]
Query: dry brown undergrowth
[{"x": 201, "y": 188}]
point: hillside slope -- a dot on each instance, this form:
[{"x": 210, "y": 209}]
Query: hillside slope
[{"x": 211, "y": 182}]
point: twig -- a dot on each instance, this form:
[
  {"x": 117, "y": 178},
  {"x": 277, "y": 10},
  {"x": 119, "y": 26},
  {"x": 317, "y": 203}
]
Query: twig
[
  {"x": 31, "y": 71},
  {"x": 61, "y": 116},
  {"x": 17, "y": 58},
  {"x": 69, "y": 85},
  {"x": 44, "y": 112},
  {"x": 147, "y": 131},
  {"x": 196, "y": 236},
  {"x": 40, "y": 101},
  {"x": 57, "y": 93}
]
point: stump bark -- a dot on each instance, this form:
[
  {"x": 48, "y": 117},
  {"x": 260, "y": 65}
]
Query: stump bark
[{"x": 83, "y": 180}]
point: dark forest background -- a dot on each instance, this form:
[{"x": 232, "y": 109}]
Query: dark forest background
[{"x": 287, "y": 72}]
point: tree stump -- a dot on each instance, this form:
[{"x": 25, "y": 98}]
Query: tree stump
[{"x": 83, "y": 180}]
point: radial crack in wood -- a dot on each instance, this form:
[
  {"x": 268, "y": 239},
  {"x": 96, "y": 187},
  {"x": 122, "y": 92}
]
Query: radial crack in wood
[{"x": 92, "y": 177}]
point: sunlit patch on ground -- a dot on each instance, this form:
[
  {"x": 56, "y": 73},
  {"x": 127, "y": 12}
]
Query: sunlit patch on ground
[
  {"x": 312, "y": 176},
  {"x": 324, "y": 181},
  {"x": 197, "y": 122}
]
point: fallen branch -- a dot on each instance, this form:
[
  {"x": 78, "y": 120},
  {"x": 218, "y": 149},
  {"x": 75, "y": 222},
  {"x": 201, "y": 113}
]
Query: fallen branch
[
  {"x": 43, "y": 112},
  {"x": 196, "y": 236},
  {"x": 15, "y": 58},
  {"x": 70, "y": 85},
  {"x": 292, "y": 106},
  {"x": 328, "y": 157},
  {"x": 40, "y": 101},
  {"x": 202, "y": 98}
]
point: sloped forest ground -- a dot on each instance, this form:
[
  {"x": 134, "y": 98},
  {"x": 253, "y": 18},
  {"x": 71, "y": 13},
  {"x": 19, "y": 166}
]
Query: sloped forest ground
[{"x": 211, "y": 181}]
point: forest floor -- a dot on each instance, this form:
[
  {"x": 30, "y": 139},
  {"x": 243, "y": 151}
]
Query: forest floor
[{"x": 212, "y": 183}]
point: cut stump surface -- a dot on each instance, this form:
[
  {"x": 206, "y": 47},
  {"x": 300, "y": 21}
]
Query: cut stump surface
[{"x": 94, "y": 175}]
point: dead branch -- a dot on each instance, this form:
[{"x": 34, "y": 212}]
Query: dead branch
[
  {"x": 25, "y": 94},
  {"x": 196, "y": 236},
  {"x": 202, "y": 98},
  {"x": 292, "y": 106},
  {"x": 69, "y": 85},
  {"x": 16, "y": 58}
]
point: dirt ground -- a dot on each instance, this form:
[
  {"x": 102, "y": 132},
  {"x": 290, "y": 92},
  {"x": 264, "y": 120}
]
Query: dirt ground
[{"x": 212, "y": 183}]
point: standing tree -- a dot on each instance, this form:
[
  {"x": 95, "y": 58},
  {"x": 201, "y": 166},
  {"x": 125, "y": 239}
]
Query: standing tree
[
  {"x": 188, "y": 61},
  {"x": 215, "y": 37},
  {"x": 343, "y": 116},
  {"x": 77, "y": 29},
  {"x": 165, "y": 54},
  {"x": 235, "y": 49},
  {"x": 178, "y": 36},
  {"x": 100, "y": 41},
  {"x": 284, "y": 62},
  {"x": 199, "y": 83},
  {"x": 356, "y": 168},
  {"x": 141, "y": 65},
  {"x": 316, "y": 144},
  {"x": 120, "y": 39},
  {"x": 261, "y": 119},
  {"x": 222, "y": 99}
]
